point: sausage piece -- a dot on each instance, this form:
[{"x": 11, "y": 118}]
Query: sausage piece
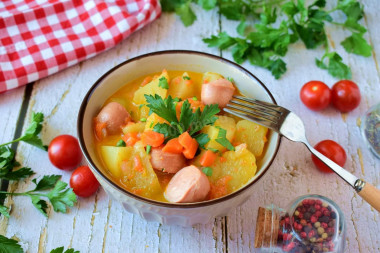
[
  {"x": 217, "y": 92},
  {"x": 188, "y": 185},
  {"x": 115, "y": 116},
  {"x": 166, "y": 162}
]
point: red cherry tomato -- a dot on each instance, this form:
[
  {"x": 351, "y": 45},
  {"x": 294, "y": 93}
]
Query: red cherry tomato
[
  {"x": 333, "y": 151},
  {"x": 64, "y": 152},
  {"x": 83, "y": 182},
  {"x": 315, "y": 95},
  {"x": 345, "y": 95}
]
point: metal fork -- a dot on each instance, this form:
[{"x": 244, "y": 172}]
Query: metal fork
[{"x": 291, "y": 126}]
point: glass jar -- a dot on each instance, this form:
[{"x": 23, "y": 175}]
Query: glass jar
[
  {"x": 370, "y": 126},
  {"x": 311, "y": 223}
]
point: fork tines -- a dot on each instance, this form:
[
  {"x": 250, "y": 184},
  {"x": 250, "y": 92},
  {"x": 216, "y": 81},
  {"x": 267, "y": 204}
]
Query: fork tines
[{"x": 263, "y": 113}]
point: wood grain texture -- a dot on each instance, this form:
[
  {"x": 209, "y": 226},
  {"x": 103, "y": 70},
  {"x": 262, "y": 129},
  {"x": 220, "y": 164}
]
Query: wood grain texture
[{"x": 99, "y": 224}]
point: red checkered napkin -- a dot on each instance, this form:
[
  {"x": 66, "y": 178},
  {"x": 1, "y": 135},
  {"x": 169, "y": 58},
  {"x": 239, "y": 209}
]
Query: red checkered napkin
[{"x": 41, "y": 37}]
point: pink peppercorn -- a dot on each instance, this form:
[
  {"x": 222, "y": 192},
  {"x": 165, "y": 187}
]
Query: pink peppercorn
[
  {"x": 318, "y": 214},
  {"x": 311, "y": 201},
  {"x": 287, "y": 220},
  {"x": 318, "y": 202},
  {"x": 303, "y": 222},
  {"x": 300, "y": 215},
  {"x": 313, "y": 219},
  {"x": 303, "y": 234},
  {"x": 305, "y": 202},
  {"x": 326, "y": 213},
  {"x": 324, "y": 225},
  {"x": 317, "y": 207},
  {"x": 311, "y": 234}
]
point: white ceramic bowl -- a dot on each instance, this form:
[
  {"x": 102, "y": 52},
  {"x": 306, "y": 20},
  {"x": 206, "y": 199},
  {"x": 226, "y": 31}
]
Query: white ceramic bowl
[{"x": 167, "y": 213}]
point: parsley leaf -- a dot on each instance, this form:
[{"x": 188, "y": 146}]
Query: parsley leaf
[
  {"x": 202, "y": 139},
  {"x": 188, "y": 120},
  {"x": 186, "y": 14},
  {"x": 4, "y": 211},
  {"x": 8, "y": 163},
  {"x": 40, "y": 204},
  {"x": 357, "y": 44},
  {"x": 31, "y": 134},
  {"x": 206, "y": 117},
  {"x": 335, "y": 66},
  {"x": 121, "y": 143},
  {"x": 47, "y": 182},
  {"x": 61, "y": 249},
  {"x": 165, "y": 108},
  {"x": 207, "y": 171},
  {"x": 60, "y": 197},
  {"x": 163, "y": 83},
  {"x": 223, "y": 140},
  {"x": 9, "y": 245},
  {"x": 269, "y": 40},
  {"x": 186, "y": 78}
]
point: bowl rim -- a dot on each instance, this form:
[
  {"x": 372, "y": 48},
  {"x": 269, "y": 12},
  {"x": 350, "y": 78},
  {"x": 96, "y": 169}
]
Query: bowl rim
[{"x": 150, "y": 201}]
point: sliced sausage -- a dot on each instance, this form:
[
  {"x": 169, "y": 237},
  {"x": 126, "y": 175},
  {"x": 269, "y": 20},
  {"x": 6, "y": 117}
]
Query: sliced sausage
[
  {"x": 166, "y": 162},
  {"x": 217, "y": 92},
  {"x": 188, "y": 185},
  {"x": 115, "y": 116}
]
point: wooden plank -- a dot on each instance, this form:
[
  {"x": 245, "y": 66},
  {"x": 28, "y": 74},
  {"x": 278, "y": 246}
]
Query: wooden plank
[
  {"x": 98, "y": 223},
  {"x": 293, "y": 174}
]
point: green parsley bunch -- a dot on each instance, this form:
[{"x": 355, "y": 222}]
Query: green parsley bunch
[{"x": 280, "y": 23}]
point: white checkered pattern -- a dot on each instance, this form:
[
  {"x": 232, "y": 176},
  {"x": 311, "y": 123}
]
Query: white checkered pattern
[{"x": 39, "y": 38}]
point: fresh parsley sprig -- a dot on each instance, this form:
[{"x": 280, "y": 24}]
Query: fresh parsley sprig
[
  {"x": 189, "y": 121},
  {"x": 265, "y": 43},
  {"x": 8, "y": 245},
  {"x": 31, "y": 134},
  {"x": 60, "y": 196}
]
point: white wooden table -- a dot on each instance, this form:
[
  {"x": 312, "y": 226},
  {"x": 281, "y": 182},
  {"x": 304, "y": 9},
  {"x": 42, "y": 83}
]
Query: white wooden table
[{"x": 98, "y": 224}]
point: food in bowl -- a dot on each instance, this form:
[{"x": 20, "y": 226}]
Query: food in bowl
[{"x": 165, "y": 138}]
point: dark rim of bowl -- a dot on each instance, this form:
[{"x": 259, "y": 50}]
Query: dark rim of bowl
[{"x": 146, "y": 200}]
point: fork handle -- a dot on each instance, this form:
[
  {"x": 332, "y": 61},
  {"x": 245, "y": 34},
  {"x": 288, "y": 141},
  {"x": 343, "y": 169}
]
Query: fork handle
[{"x": 369, "y": 193}]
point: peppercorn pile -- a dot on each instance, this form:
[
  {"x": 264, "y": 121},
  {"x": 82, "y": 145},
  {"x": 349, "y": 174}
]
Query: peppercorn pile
[{"x": 311, "y": 228}]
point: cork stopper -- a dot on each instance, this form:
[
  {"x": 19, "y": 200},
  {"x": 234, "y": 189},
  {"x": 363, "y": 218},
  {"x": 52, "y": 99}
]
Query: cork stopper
[{"x": 267, "y": 225}]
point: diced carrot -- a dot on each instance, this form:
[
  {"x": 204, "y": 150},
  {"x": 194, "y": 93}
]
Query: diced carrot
[
  {"x": 206, "y": 81},
  {"x": 188, "y": 82},
  {"x": 208, "y": 158},
  {"x": 190, "y": 151},
  {"x": 146, "y": 80},
  {"x": 137, "y": 164},
  {"x": 130, "y": 138},
  {"x": 185, "y": 140},
  {"x": 173, "y": 146},
  {"x": 189, "y": 144},
  {"x": 100, "y": 129},
  {"x": 152, "y": 138},
  {"x": 195, "y": 104}
]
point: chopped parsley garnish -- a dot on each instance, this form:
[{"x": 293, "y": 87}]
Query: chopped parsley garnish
[
  {"x": 163, "y": 83},
  {"x": 195, "y": 98},
  {"x": 207, "y": 171},
  {"x": 223, "y": 140},
  {"x": 148, "y": 148},
  {"x": 189, "y": 121},
  {"x": 186, "y": 78},
  {"x": 143, "y": 119},
  {"x": 121, "y": 143}
]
